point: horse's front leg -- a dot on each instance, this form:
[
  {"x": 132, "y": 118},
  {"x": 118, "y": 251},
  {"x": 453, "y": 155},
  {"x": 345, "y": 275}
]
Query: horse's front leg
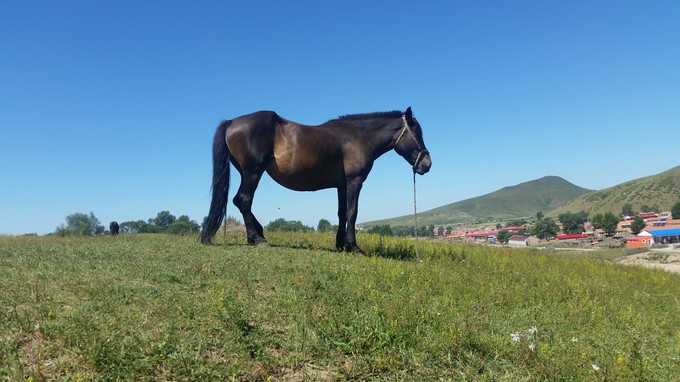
[{"x": 353, "y": 189}]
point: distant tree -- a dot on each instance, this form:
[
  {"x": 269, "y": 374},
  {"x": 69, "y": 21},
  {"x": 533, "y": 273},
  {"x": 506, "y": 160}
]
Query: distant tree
[
  {"x": 627, "y": 210},
  {"x": 426, "y": 231},
  {"x": 637, "y": 225},
  {"x": 539, "y": 215},
  {"x": 654, "y": 208},
  {"x": 430, "y": 231},
  {"x": 498, "y": 226},
  {"x": 281, "y": 224},
  {"x": 503, "y": 236},
  {"x": 151, "y": 228},
  {"x": 164, "y": 219},
  {"x": 382, "y": 230},
  {"x": 80, "y": 224},
  {"x": 606, "y": 222},
  {"x": 409, "y": 231},
  {"x": 675, "y": 210},
  {"x": 573, "y": 222},
  {"x": 403, "y": 231},
  {"x": 449, "y": 230},
  {"x": 324, "y": 226},
  {"x": 544, "y": 228},
  {"x": 516, "y": 223},
  {"x": 133, "y": 226},
  {"x": 183, "y": 226}
]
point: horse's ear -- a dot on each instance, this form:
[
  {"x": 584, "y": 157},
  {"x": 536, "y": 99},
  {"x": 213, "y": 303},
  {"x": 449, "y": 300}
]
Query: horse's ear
[{"x": 408, "y": 114}]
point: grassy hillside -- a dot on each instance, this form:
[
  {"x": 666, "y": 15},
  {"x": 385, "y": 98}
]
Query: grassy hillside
[
  {"x": 662, "y": 189},
  {"x": 519, "y": 201},
  {"x": 154, "y": 307}
]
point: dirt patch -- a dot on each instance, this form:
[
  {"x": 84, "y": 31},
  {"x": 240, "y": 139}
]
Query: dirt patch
[
  {"x": 308, "y": 372},
  {"x": 666, "y": 259}
]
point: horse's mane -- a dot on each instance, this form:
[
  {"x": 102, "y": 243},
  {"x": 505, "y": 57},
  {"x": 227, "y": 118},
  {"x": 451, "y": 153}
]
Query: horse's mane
[{"x": 368, "y": 116}]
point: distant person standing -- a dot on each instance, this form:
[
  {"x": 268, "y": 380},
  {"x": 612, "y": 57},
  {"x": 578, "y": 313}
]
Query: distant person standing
[{"x": 114, "y": 228}]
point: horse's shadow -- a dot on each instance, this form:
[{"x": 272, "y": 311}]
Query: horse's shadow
[{"x": 400, "y": 254}]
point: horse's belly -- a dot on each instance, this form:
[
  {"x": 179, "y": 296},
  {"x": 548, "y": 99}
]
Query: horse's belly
[{"x": 304, "y": 178}]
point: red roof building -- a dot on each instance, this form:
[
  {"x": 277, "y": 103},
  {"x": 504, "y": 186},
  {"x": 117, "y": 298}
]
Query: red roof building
[
  {"x": 514, "y": 228},
  {"x": 647, "y": 215},
  {"x": 517, "y": 241},
  {"x": 572, "y": 236},
  {"x": 482, "y": 234}
]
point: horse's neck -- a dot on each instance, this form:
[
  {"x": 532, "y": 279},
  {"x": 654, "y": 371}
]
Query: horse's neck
[{"x": 381, "y": 135}]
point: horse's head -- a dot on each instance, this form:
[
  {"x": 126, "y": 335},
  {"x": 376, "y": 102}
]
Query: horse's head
[{"x": 410, "y": 144}]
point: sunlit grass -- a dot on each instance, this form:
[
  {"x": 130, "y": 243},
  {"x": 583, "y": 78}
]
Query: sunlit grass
[{"x": 155, "y": 307}]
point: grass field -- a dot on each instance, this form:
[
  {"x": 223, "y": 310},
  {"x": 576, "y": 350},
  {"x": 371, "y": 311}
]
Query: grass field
[{"x": 155, "y": 307}]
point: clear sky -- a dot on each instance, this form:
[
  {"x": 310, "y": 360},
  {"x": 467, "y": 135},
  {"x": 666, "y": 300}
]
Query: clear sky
[{"x": 110, "y": 107}]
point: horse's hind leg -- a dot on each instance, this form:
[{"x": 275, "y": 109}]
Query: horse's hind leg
[
  {"x": 244, "y": 202},
  {"x": 342, "y": 219}
]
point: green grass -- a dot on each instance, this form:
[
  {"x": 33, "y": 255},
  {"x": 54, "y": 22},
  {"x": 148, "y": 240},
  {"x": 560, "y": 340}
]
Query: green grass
[{"x": 155, "y": 307}]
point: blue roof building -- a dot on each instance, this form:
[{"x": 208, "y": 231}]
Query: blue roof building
[{"x": 665, "y": 236}]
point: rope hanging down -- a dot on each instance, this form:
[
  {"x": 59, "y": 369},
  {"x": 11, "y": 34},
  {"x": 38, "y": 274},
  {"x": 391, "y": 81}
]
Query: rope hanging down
[{"x": 415, "y": 213}]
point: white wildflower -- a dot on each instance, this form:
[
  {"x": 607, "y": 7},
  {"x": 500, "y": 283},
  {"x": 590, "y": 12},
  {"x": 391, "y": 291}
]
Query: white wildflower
[
  {"x": 516, "y": 336},
  {"x": 596, "y": 368},
  {"x": 574, "y": 339}
]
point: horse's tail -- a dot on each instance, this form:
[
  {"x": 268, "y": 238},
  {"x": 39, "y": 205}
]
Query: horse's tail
[{"x": 220, "y": 184}]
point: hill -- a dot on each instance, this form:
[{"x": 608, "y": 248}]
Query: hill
[
  {"x": 520, "y": 201},
  {"x": 662, "y": 189}
]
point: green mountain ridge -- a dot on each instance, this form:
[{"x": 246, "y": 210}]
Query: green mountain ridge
[
  {"x": 550, "y": 195},
  {"x": 661, "y": 189},
  {"x": 520, "y": 201}
]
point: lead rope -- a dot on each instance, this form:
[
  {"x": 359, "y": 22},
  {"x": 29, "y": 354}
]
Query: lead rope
[
  {"x": 415, "y": 164},
  {"x": 415, "y": 213}
]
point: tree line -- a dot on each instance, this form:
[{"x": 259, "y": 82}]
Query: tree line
[{"x": 81, "y": 224}]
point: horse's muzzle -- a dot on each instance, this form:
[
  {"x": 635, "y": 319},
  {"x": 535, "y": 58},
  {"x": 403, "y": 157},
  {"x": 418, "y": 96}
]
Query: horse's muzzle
[{"x": 423, "y": 163}]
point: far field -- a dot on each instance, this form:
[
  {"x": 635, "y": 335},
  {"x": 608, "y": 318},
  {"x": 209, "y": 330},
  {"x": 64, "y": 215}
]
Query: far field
[{"x": 157, "y": 307}]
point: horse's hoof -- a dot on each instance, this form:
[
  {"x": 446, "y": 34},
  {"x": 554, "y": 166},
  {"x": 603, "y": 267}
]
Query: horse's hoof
[
  {"x": 259, "y": 242},
  {"x": 354, "y": 249}
]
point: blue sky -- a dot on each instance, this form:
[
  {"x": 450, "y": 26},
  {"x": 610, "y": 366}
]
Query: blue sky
[{"x": 110, "y": 107}]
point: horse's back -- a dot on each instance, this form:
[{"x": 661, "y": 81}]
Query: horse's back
[
  {"x": 257, "y": 125},
  {"x": 257, "y": 118}
]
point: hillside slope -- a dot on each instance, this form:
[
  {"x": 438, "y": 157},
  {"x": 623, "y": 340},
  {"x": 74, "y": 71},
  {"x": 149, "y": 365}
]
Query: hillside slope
[
  {"x": 519, "y": 201},
  {"x": 661, "y": 189}
]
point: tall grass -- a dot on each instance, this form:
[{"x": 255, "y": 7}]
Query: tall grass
[{"x": 155, "y": 307}]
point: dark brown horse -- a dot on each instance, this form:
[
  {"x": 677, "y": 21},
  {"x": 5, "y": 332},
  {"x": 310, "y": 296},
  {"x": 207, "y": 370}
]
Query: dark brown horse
[
  {"x": 338, "y": 154},
  {"x": 114, "y": 228}
]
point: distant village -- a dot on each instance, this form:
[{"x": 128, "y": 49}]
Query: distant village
[{"x": 660, "y": 228}]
